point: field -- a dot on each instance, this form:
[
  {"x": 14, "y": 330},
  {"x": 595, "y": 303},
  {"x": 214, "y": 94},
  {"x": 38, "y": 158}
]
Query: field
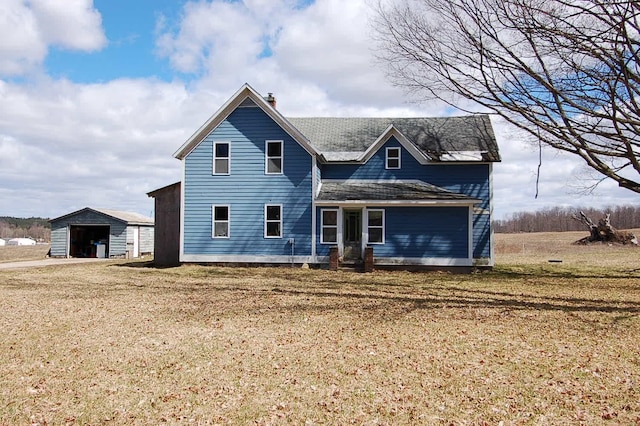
[
  {"x": 532, "y": 342},
  {"x": 18, "y": 253}
]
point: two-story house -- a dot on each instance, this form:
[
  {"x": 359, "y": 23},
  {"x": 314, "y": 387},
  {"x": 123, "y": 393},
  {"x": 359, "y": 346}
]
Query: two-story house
[{"x": 261, "y": 188}]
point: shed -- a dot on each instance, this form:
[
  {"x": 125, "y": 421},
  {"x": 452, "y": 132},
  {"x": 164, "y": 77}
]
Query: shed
[
  {"x": 167, "y": 225},
  {"x": 101, "y": 233}
]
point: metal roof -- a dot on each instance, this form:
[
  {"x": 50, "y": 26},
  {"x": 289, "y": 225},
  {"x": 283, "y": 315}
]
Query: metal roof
[
  {"x": 129, "y": 217},
  {"x": 469, "y": 138}
]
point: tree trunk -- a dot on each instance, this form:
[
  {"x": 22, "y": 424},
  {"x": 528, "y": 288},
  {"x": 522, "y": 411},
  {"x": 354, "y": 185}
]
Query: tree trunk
[{"x": 603, "y": 232}]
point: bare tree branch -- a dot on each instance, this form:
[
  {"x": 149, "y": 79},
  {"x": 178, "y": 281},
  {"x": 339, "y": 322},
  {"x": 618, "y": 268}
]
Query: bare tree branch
[{"x": 567, "y": 72}]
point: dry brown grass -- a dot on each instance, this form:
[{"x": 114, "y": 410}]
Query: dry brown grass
[
  {"x": 19, "y": 253},
  {"x": 536, "y": 248},
  {"x": 530, "y": 343}
]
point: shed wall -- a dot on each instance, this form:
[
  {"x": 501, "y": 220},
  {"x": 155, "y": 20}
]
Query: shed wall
[{"x": 167, "y": 226}]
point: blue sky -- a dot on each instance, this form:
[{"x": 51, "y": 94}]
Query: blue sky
[
  {"x": 96, "y": 96},
  {"x": 130, "y": 27}
]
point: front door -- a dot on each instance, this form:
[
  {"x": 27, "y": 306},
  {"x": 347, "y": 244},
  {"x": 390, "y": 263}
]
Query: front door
[{"x": 352, "y": 233}]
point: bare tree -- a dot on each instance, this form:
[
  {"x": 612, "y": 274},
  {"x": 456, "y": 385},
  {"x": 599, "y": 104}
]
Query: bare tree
[{"x": 565, "y": 71}]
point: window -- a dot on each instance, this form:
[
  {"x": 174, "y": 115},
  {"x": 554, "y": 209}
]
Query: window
[
  {"x": 375, "y": 226},
  {"x": 393, "y": 158},
  {"x": 273, "y": 157},
  {"x": 221, "y": 157},
  {"x": 272, "y": 221},
  {"x": 329, "y": 232},
  {"x": 220, "y": 222}
]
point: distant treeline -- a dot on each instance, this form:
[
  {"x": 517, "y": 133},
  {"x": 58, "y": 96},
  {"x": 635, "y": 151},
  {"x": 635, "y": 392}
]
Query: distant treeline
[
  {"x": 34, "y": 227},
  {"x": 558, "y": 219}
]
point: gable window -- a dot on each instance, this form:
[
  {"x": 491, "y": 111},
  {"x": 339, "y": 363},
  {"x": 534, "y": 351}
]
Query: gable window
[
  {"x": 220, "y": 221},
  {"x": 273, "y": 157},
  {"x": 273, "y": 221},
  {"x": 221, "y": 158},
  {"x": 393, "y": 158},
  {"x": 375, "y": 226},
  {"x": 329, "y": 222}
]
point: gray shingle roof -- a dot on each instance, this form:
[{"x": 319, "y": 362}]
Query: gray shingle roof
[
  {"x": 436, "y": 137},
  {"x": 386, "y": 191}
]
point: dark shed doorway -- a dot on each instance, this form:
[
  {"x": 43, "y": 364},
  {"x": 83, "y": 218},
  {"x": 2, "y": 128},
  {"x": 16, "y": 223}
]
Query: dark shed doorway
[{"x": 89, "y": 240}]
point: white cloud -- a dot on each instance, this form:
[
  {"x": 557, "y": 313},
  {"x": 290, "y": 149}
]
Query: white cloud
[
  {"x": 65, "y": 146},
  {"x": 214, "y": 38},
  {"x": 117, "y": 138},
  {"x": 29, "y": 28}
]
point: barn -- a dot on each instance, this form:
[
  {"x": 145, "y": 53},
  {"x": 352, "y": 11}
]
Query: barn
[{"x": 101, "y": 233}]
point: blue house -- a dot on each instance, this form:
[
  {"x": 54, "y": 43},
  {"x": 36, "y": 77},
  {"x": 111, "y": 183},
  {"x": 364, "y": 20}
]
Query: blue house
[{"x": 261, "y": 188}]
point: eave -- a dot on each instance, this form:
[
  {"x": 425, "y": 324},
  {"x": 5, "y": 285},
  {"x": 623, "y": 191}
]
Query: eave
[{"x": 246, "y": 91}]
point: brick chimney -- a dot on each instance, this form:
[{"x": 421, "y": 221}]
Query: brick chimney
[{"x": 271, "y": 100}]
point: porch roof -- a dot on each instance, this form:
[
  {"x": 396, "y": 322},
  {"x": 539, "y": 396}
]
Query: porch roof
[{"x": 388, "y": 192}]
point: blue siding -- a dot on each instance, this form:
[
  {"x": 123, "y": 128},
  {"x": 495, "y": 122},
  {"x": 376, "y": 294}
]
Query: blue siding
[
  {"x": 416, "y": 232},
  {"x": 374, "y": 168},
  {"x": 247, "y": 189},
  {"x": 481, "y": 236},
  {"x": 468, "y": 179},
  {"x": 440, "y": 232}
]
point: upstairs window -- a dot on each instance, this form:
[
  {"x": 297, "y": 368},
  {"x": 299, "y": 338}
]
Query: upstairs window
[
  {"x": 273, "y": 157},
  {"x": 393, "y": 158},
  {"x": 221, "y": 158},
  {"x": 220, "y": 221},
  {"x": 329, "y": 227},
  {"x": 273, "y": 221},
  {"x": 375, "y": 226}
]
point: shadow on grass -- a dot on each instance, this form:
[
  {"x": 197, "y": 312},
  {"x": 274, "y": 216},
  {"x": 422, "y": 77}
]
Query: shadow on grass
[
  {"x": 144, "y": 264},
  {"x": 548, "y": 271},
  {"x": 465, "y": 298},
  {"x": 397, "y": 291}
]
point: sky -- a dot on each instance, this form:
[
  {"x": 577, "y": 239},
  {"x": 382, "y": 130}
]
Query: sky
[{"x": 96, "y": 96}]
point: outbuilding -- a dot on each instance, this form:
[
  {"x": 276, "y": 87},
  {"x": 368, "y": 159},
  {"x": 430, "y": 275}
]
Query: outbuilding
[
  {"x": 167, "y": 225},
  {"x": 101, "y": 233},
  {"x": 21, "y": 242}
]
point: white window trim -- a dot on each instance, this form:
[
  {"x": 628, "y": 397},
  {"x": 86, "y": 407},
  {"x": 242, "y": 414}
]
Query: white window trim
[
  {"x": 383, "y": 227},
  {"x": 228, "y": 158},
  {"x": 266, "y": 157},
  {"x": 323, "y": 226},
  {"x": 214, "y": 221},
  {"x": 273, "y": 221},
  {"x": 387, "y": 158}
]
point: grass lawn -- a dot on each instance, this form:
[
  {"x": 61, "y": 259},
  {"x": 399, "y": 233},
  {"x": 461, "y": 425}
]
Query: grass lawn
[{"x": 532, "y": 342}]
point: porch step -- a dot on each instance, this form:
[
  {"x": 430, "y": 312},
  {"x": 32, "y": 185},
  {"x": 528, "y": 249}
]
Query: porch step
[{"x": 351, "y": 267}]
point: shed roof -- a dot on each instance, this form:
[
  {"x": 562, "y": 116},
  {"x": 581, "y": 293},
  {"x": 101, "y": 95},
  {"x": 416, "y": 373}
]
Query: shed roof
[
  {"x": 415, "y": 191},
  {"x": 466, "y": 138},
  {"x": 158, "y": 191},
  {"x": 129, "y": 218}
]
